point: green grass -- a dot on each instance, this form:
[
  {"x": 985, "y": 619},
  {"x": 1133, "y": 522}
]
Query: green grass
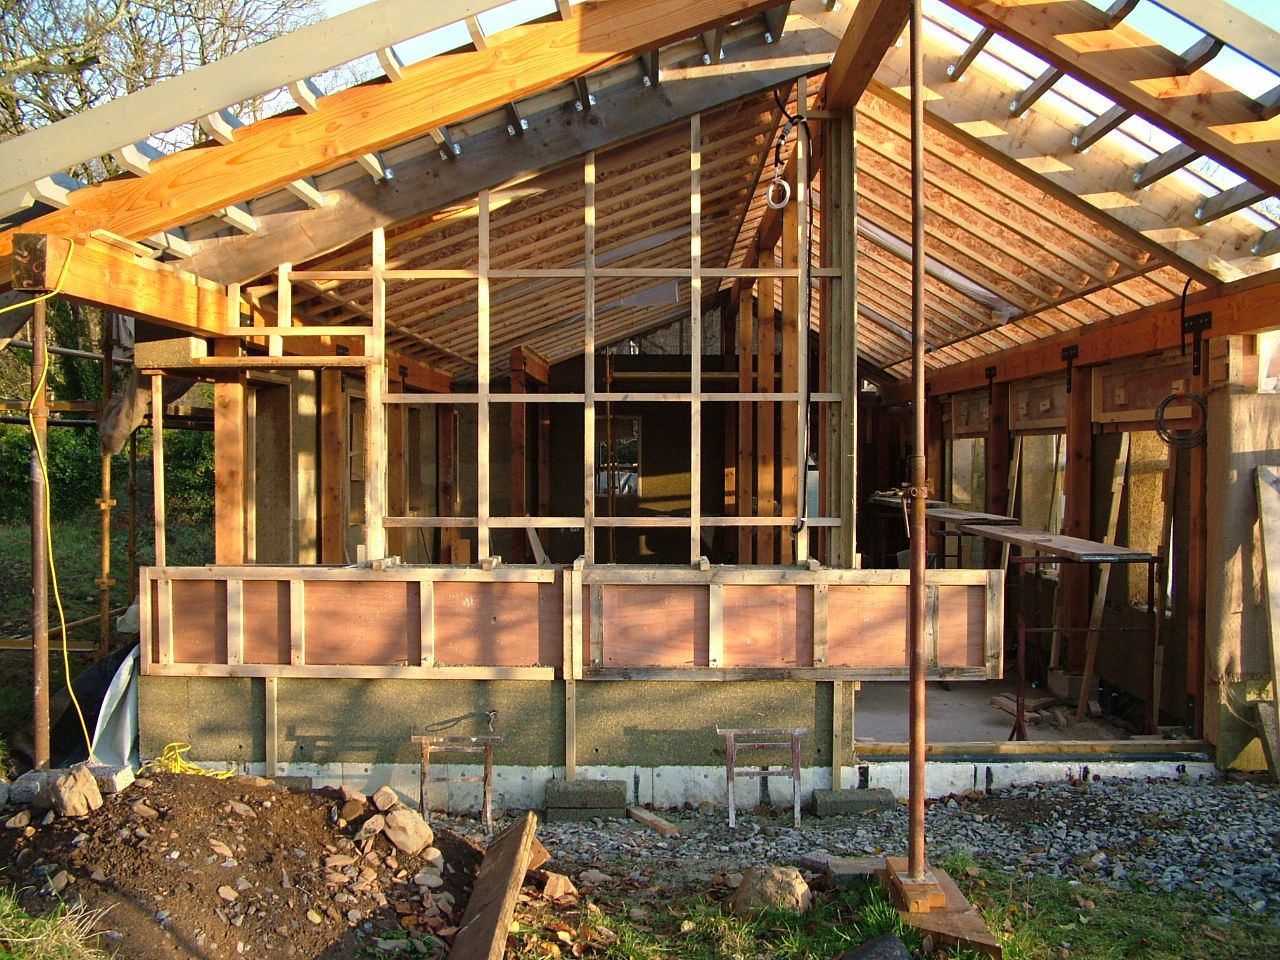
[
  {"x": 1042, "y": 918},
  {"x": 700, "y": 928},
  {"x": 63, "y": 934}
]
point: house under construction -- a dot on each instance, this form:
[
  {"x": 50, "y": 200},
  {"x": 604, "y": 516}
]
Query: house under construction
[{"x": 564, "y": 375}]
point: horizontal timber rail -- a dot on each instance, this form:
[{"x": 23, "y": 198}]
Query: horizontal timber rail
[{"x": 542, "y": 622}]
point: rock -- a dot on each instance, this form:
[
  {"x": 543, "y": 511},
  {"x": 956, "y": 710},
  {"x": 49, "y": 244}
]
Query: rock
[
  {"x": 384, "y": 798},
  {"x": 432, "y": 881},
  {"x": 75, "y": 793},
  {"x": 112, "y": 780},
  {"x": 221, "y": 849},
  {"x": 98, "y": 876},
  {"x": 639, "y": 915},
  {"x": 433, "y": 857},
  {"x": 243, "y": 810},
  {"x": 4, "y": 792},
  {"x": 145, "y": 811},
  {"x": 314, "y": 917},
  {"x": 30, "y": 789},
  {"x": 339, "y": 860},
  {"x": 886, "y": 947},
  {"x": 557, "y": 886},
  {"x": 733, "y": 880},
  {"x": 349, "y": 793},
  {"x": 18, "y": 821},
  {"x": 351, "y": 810},
  {"x": 371, "y": 828},
  {"x": 248, "y": 780},
  {"x": 58, "y": 882},
  {"x": 782, "y": 888},
  {"x": 593, "y": 877},
  {"x": 228, "y": 893},
  {"x": 407, "y": 831}
]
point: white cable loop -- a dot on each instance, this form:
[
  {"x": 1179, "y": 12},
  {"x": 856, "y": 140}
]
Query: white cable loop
[{"x": 786, "y": 194}]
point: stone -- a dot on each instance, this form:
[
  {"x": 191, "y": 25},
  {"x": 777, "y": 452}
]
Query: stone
[
  {"x": 349, "y": 793},
  {"x": 58, "y": 882},
  {"x": 432, "y": 881},
  {"x": 75, "y": 793},
  {"x": 384, "y": 798},
  {"x": 586, "y": 794},
  {"x": 407, "y": 831},
  {"x": 351, "y": 810},
  {"x": 243, "y": 810},
  {"x": 839, "y": 803},
  {"x": 592, "y": 877},
  {"x": 557, "y": 886},
  {"x": 762, "y": 888},
  {"x": 435, "y": 858},
  {"x": 371, "y": 827},
  {"x": 228, "y": 893},
  {"x": 145, "y": 811},
  {"x": 18, "y": 821},
  {"x": 30, "y": 788},
  {"x": 112, "y": 780},
  {"x": 885, "y": 947},
  {"x": 249, "y": 780},
  {"x": 314, "y": 917},
  {"x": 4, "y": 792},
  {"x": 221, "y": 849},
  {"x": 852, "y": 872}
]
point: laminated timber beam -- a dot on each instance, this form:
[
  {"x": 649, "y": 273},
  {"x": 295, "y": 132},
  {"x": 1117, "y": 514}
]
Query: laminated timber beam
[
  {"x": 622, "y": 111},
  {"x": 208, "y": 89},
  {"x": 1203, "y": 112},
  {"x": 353, "y": 122},
  {"x": 102, "y": 274},
  {"x": 1245, "y": 306}
]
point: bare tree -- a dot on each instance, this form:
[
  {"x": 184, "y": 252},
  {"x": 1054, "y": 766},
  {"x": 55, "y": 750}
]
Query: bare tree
[{"x": 60, "y": 57}]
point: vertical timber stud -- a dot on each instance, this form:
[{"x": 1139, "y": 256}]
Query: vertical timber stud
[
  {"x": 849, "y": 339},
  {"x": 519, "y": 456},
  {"x": 804, "y": 295},
  {"x": 789, "y": 334},
  {"x": 998, "y": 452},
  {"x": 228, "y": 460},
  {"x": 746, "y": 420},
  {"x": 589, "y": 358},
  {"x": 569, "y": 582},
  {"x": 483, "y": 546},
  {"x": 333, "y": 466},
  {"x": 766, "y": 457},
  {"x": 375, "y": 411},
  {"x": 39, "y": 540},
  {"x": 915, "y": 627},
  {"x": 157, "y": 464},
  {"x": 1197, "y": 567},
  {"x": 695, "y": 337}
]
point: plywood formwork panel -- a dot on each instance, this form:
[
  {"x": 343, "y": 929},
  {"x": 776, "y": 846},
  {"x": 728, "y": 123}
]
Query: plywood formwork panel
[
  {"x": 664, "y": 626},
  {"x": 500, "y": 624},
  {"x": 378, "y": 624}
]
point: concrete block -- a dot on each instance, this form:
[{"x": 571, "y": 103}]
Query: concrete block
[
  {"x": 838, "y": 803},
  {"x": 578, "y": 814},
  {"x": 584, "y": 794},
  {"x": 852, "y": 872}
]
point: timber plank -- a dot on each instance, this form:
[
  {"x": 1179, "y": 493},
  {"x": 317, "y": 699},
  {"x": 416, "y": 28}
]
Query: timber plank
[{"x": 482, "y": 934}]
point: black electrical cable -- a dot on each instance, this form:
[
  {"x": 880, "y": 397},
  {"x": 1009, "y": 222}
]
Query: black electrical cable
[
  {"x": 1183, "y": 440},
  {"x": 801, "y": 122}
]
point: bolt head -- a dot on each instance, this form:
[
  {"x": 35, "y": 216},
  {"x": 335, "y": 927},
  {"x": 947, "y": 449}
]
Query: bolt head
[
  {"x": 951, "y": 70},
  {"x": 706, "y": 59},
  {"x": 591, "y": 99},
  {"x": 577, "y": 105},
  {"x": 1199, "y": 213},
  {"x": 511, "y": 131},
  {"x": 1075, "y": 141},
  {"x": 1137, "y": 177},
  {"x": 1013, "y": 106},
  {"x": 457, "y": 149},
  {"x": 768, "y": 37},
  {"x": 646, "y": 81},
  {"x": 524, "y": 124}
]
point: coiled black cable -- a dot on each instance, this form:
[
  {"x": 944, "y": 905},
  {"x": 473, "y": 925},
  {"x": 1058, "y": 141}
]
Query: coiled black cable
[{"x": 1182, "y": 439}]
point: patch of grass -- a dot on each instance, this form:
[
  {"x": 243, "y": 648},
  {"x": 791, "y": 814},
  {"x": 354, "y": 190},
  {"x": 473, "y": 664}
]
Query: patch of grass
[
  {"x": 64, "y": 934},
  {"x": 700, "y": 928},
  {"x": 1043, "y": 918}
]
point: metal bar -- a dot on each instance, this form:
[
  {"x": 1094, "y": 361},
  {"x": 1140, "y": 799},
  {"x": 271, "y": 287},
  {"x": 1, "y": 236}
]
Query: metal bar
[{"x": 915, "y": 627}]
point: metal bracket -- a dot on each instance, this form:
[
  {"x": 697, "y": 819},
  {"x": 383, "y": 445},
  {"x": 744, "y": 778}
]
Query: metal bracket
[
  {"x": 1195, "y": 326},
  {"x": 1069, "y": 355}
]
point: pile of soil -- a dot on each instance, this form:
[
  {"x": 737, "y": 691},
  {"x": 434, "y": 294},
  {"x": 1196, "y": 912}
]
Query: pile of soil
[{"x": 243, "y": 867}]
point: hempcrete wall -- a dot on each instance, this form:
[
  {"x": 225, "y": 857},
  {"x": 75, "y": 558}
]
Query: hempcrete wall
[{"x": 629, "y": 722}]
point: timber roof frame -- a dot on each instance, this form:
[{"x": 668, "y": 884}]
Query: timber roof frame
[{"x": 1028, "y": 236}]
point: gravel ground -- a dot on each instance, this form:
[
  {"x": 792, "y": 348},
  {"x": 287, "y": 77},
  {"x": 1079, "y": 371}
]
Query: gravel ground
[{"x": 1219, "y": 838}]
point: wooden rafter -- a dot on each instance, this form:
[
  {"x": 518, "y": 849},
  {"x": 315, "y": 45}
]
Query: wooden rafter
[
  {"x": 352, "y": 122},
  {"x": 1138, "y": 73}
]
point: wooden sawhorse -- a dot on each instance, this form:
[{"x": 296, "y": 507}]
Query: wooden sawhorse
[
  {"x": 469, "y": 745},
  {"x": 732, "y": 746}
]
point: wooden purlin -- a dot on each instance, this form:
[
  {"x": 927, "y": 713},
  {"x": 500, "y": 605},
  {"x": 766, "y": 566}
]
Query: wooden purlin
[
  {"x": 361, "y": 119},
  {"x": 1202, "y": 111}
]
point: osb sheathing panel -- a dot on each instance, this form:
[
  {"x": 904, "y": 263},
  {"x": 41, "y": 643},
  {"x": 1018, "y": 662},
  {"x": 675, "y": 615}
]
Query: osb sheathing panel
[{"x": 1244, "y": 431}]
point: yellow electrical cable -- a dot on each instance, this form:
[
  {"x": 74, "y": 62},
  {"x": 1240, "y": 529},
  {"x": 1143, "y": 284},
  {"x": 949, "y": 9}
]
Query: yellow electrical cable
[
  {"x": 173, "y": 759},
  {"x": 48, "y": 512}
]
